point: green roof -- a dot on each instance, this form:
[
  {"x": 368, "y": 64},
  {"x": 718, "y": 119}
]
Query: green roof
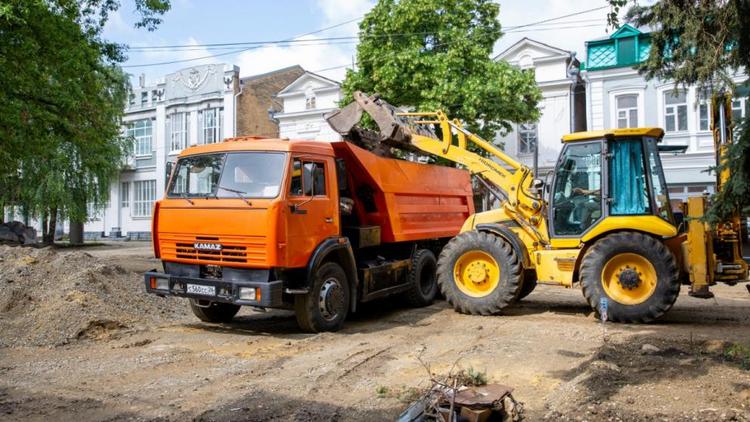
[{"x": 625, "y": 48}]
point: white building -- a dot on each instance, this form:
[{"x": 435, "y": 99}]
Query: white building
[
  {"x": 188, "y": 107},
  {"x": 305, "y": 101},
  {"x": 619, "y": 97},
  {"x": 562, "y": 106}
]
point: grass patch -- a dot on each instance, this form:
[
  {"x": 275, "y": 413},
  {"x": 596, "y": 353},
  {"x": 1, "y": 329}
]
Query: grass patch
[
  {"x": 471, "y": 377},
  {"x": 739, "y": 353}
]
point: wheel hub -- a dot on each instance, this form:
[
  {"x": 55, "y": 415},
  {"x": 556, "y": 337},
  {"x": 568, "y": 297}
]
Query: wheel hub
[
  {"x": 331, "y": 299},
  {"x": 478, "y": 272},
  {"x": 629, "y": 278}
]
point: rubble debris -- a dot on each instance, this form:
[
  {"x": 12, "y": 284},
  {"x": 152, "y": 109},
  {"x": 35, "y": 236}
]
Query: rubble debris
[
  {"x": 51, "y": 298},
  {"x": 17, "y": 232}
]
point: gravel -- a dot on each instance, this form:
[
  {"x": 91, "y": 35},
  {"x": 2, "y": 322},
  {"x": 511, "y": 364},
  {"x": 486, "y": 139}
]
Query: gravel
[{"x": 52, "y": 298}]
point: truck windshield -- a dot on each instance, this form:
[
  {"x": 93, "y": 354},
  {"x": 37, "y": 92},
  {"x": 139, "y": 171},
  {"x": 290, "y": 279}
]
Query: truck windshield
[{"x": 251, "y": 174}]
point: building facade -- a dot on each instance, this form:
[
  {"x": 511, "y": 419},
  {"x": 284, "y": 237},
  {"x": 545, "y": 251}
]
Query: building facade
[
  {"x": 304, "y": 103},
  {"x": 189, "y": 107},
  {"x": 563, "y": 107},
  {"x": 618, "y": 96},
  {"x": 257, "y": 101}
]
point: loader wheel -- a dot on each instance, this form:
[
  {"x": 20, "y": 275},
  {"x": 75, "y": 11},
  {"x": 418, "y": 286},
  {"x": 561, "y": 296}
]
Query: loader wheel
[
  {"x": 635, "y": 272},
  {"x": 215, "y": 311},
  {"x": 422, "y": 279},
  {"x": 479, "y": 273},
  {"x": 528, "y": 285},
  {"x": 325, "y": 306}
]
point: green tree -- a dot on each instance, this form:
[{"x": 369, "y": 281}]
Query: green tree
[
  {"x": 701, "y": 43},
  {"x": 435, "y": 54},
  {"x": 62, "y": 94}
]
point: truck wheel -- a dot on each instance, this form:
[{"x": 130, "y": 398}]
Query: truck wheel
[
  {"x": 528, "y": 285},
  {"x": 325, "y": 306},
  {"x": 422, "y": 279},
  {"x": 479, "y": 273},
  {"x": 636, "y": 273},
  {"x": 215, "y": 312}
]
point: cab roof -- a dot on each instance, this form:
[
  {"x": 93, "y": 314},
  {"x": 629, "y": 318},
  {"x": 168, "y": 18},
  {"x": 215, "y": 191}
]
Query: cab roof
[
  {"x": 614, "y": 133},
  {"x": 257, "y": 143}
]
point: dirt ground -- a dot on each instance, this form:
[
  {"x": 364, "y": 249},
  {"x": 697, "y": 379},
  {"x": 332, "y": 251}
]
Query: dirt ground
[{"x": 692, "y": 365}]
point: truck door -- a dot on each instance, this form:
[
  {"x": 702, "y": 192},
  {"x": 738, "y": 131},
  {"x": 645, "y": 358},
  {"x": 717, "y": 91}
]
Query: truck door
[{"x": 312, "y": 211}]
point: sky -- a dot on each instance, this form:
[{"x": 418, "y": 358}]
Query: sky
[{"x": 199, "y": 22}]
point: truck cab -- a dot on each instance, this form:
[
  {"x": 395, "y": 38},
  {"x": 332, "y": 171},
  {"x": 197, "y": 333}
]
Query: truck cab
[{"x": 281, "y": 224}]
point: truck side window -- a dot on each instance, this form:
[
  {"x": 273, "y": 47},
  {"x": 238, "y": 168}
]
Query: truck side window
[
  {"x": 314, "y": 179},
  {"x": 295, "y": 188}
]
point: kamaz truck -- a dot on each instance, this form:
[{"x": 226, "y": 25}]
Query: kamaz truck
[{"x": 315, "y": 227}]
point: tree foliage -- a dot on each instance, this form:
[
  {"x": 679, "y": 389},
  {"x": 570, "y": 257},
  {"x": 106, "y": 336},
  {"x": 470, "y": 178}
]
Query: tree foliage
[
  {"x": 61, "y": 101},
  {"x": 701, "y": 43},
  {"x": 435, "y": 54}
]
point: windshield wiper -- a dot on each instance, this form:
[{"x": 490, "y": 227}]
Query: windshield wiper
[
  {"x": 239, "y": 193},
  {"x": 183, "y": 195}
]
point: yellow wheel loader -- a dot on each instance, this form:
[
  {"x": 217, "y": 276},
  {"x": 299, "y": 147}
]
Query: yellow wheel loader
[{"x": 604, "y": 222}]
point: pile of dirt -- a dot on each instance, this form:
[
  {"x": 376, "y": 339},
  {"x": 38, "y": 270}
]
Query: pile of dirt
[
  {"x": 647, "y": 380},
  {"x": 50, "y": 298}
]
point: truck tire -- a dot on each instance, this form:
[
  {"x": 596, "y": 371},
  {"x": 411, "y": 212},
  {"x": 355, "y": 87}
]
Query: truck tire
[
  {"x": 422, "y": 279},
  {"x": 528, "y": 285},
  {"x": 479, "y": 273},
  {"x": 636, "y": 273},
  {"x": 326, "y": 305},
  {"x": 215, "y": 312}
]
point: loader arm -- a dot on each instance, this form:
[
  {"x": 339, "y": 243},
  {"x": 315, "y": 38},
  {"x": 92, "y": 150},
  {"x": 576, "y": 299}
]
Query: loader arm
[{"x": 509, "y": 180}]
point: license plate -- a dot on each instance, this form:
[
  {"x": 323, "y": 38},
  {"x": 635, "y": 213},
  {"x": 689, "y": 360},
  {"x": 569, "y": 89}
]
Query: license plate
[{"x": 197, "y": 289}]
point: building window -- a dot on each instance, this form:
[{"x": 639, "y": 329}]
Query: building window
[
  {"x": 704, "y": 121},
  {"x": 739, "y": 109},
  {"x": 141, "y": 131},
  {"x": 144, "y": 97},
  {"x": 528, "y": 135},
  {"x": 627, "y": 110},
  {"x": 177, "y": 127},
  {"x": 211, "y": 125},
  {"x": 309, "y": 98},
  {"x": 145, "y": 195},
  {"x": 125, "y": 195},
  {"x": 675, "y": 111}
]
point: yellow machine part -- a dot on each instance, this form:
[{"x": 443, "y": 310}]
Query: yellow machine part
[{"x": 556, "y": 266}]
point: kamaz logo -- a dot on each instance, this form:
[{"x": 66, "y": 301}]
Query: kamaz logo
[{"x": 207, "y": 246}]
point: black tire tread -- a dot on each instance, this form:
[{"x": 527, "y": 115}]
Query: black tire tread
[
  {"x": 504, "y": 295},
  {"x": 665, "y": 263},
  {"x": 305, "y": 306},
  {"x": 414, "y": 295}
]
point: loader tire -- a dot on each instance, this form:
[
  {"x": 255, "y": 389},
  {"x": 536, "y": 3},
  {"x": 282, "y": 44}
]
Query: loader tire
[
  {"x": 215, "y": 312},
  {"x": 528, "y": 285},
  {"x": 636, "y": 273},
  {"x": 479, "y": 273},
  {"x": 422, "y": 279},
  {"x": 326, "y": 305}
]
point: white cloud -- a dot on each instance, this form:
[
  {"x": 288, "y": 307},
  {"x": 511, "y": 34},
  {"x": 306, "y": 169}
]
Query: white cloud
[
  {"x": 310, "y": 57},
  {"x": 570, "y": 37}
]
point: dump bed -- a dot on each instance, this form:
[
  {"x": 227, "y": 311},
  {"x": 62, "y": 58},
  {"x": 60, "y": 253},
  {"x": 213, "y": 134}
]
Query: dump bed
[{"x": 409, "y": 201}]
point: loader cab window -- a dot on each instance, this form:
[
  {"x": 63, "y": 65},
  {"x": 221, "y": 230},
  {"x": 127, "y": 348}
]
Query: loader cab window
[
  {"x": 628, "y": 186},
  {"x": 308, "y": 178},
  {"x": 576, "y": 195},
  {"x": 658, "y": 182}
]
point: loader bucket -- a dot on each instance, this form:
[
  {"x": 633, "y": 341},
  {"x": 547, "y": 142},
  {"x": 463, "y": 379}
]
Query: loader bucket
[{"x": 391, "y": 127}]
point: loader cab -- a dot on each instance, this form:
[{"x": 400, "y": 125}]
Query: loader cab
[{"x": 612, "y": 173}]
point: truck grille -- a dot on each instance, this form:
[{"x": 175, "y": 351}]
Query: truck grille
[{"x": 234, "y": 249}]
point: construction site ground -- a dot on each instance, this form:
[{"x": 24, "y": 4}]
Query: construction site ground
[{"x": 69, "y": 352}]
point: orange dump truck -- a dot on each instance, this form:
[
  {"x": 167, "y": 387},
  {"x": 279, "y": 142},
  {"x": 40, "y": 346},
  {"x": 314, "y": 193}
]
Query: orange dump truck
[{"x": 316, "y": 227}]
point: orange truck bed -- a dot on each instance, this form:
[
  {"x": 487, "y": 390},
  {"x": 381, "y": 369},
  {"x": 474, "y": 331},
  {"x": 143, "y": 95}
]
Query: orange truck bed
[{"x": 410, "y": 201}]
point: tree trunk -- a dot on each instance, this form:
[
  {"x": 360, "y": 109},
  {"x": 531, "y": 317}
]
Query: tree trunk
[
  {"x": 44, "y": 227},
  {"x": 76, "y": 233},
  {"x": 52, "y": 225}
]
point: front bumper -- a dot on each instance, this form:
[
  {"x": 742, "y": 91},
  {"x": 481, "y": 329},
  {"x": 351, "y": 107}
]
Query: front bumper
[{"x": 270, "y": 292}]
